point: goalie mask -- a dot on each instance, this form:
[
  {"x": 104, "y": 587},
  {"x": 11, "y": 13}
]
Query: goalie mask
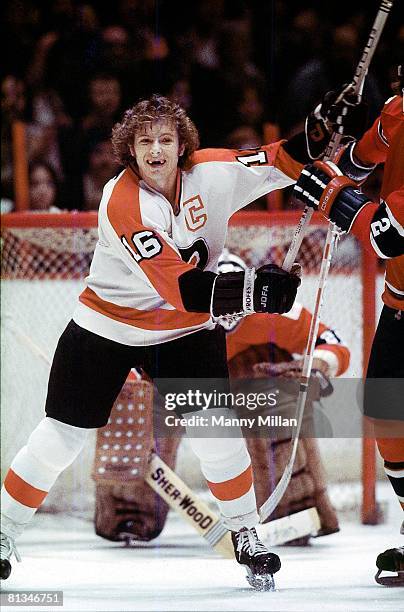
[{"x": 230, "y": 262}]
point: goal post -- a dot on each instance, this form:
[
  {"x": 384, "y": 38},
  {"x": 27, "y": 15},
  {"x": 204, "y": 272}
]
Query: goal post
[{"x": 45, "y": 259}]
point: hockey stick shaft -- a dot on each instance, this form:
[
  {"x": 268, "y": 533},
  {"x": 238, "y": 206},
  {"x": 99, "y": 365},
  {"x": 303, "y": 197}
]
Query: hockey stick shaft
[
  {"x": 355, "y": 87},
  {"x": 269, "y": 506}
]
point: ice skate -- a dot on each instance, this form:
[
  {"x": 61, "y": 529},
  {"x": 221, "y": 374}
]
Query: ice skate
[
  {"x": 256, "y": 558},
  {"x": 391, "y": 560},
  {"x": 8, "y": 549}
]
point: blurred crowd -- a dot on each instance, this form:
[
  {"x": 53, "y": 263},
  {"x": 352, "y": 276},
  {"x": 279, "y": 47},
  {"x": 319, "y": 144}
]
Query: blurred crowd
[{"x": 239, "y": 67}]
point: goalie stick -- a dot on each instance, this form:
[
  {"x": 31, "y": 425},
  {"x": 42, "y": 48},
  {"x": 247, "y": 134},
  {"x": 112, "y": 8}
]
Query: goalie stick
[
  {"x": 180, "y": 498},
  {"x": 355, "y": 87}
]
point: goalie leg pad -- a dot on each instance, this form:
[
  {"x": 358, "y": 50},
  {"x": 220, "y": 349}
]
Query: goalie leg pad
[
  {"x": 126, "y": 507},
  {"x": 134, "y": 511}
]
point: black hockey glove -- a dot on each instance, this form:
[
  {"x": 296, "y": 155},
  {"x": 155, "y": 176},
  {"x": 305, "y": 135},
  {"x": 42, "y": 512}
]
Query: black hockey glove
[
  {"x": 351, "y": 166},
  {"x": 269, "y": 289},
  {"x": 339, "y": 111},
  {"x": 323, "y": 187}
]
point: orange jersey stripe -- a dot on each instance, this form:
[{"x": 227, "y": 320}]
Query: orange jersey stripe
[
  {"x": 124, "y": 214},
  {"x": 152, "y": 320},
  {"x": 233, "y": 488},
  {"x": 22, "y": 491}
]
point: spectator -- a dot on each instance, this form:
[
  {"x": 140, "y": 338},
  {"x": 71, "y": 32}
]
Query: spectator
[
  {"x": 250, "y": 107},
  {"x": 41, "y": 114},
  {"x": 44, "y": 188},
  {"x": 244, "y": 137},
  {"x": 63, "y": 57},
  {"x": 104, "y": 95},
  {"x": 120, "y": 57},
  {"x": 324, "y": 72},
  {"x": 101, "y": 168}
]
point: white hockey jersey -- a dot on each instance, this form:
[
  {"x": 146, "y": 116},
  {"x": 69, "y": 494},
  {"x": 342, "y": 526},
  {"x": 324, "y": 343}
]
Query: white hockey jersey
[{"x": 145, "y": 244}]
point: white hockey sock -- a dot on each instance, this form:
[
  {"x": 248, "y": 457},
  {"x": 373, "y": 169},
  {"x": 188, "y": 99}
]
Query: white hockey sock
[
  {"x": 50, "y": 449},
  {"x": 226, "y": 465}
]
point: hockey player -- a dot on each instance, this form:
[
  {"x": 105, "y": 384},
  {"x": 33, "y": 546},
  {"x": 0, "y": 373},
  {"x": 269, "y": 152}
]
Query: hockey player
[
  {"x": 149, "y": 302},
  {"x": 379, "y": 227}
]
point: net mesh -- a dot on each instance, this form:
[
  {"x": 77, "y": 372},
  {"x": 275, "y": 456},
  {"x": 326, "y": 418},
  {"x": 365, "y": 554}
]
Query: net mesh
[{"x": 43, "y": 271}]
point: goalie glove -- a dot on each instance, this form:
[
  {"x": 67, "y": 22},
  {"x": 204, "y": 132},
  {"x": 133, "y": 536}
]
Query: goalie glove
[
  {"x": 339, "y": 111},
  {"x": 267, "y": 290},
  {"x": 323, "y": 187}
]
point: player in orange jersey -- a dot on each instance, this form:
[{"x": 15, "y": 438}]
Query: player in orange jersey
[
  {"x": 149, "y": 302},
  {"x": 380, "y": 227}
]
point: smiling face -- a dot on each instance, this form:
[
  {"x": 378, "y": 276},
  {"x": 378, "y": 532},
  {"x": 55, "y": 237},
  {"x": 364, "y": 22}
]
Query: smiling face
[{"x": 156, "y": 149}]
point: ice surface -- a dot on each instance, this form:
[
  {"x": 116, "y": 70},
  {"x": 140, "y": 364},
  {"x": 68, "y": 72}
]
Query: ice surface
[{"x": 178, "y": 571}]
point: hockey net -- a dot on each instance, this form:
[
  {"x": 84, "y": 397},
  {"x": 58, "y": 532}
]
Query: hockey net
[{"x": 45, "y": 259}]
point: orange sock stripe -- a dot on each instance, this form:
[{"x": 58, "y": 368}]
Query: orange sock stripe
[
  {"x": 233, "y": 488},
  {"x": 22, "y": 491}
]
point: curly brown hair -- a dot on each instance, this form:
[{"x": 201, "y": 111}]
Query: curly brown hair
[{"x": 156, "y": 108}]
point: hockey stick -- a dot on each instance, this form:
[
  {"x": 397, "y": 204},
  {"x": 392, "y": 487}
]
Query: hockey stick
[
  {"x": 273, "y": 500},
  {"x": 206, "y": 522},
  {"x": 179, "y": 497},
  {"x": 330, "y": 243},
  {"x": 355, "y": 88}
]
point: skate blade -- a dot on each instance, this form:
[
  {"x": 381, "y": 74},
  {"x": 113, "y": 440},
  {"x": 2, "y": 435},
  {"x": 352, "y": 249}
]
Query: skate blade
[
  {"x": 128, "y": 539},
  {"x": 260, "y": 582},
  {"x": 397, "y": 580}
]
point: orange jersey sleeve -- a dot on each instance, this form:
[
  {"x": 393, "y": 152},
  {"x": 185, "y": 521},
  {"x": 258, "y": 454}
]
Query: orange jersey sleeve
[
  {"x": 374, "y": 145},
  {"x": 268, "y": 155}
]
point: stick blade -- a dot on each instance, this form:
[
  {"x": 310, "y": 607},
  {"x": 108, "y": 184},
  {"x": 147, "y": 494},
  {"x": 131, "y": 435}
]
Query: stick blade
[{"x": 288, "y": 528}]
